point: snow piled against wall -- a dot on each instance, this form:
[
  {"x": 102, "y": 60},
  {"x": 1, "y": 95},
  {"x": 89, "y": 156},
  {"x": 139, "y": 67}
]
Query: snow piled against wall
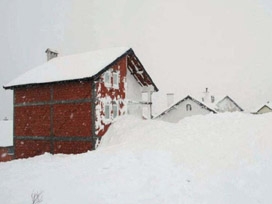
[
  {"x": 6, "y": 133},
  {"x": 222, "y": 158}
]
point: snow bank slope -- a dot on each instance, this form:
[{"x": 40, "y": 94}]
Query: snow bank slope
[{"x": 223, "y": 158}]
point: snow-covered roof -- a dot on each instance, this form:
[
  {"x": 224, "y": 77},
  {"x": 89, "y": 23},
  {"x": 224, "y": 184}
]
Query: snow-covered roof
[
  {"x": 258, "y": 108},
  {"x": 172, "y": 107},
  {"x": 6, "y": 135},
  {"x": 70, "y": 67},
  {"x": 160, "y": 98},
  {"x": 227, "y": 97}
]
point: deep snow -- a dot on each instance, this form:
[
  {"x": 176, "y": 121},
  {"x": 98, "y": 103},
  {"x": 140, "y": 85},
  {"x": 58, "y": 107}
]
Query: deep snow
[
  {"x": 221, "y": 158},
  {"x": 6, "y": 134}
]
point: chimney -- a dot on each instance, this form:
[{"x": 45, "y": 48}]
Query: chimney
[
  {"x": 170, "y": 99},
  {"x": 212, "y": 99},
  {"x": 206, "y": 97},
  {"x": 51, "y": 53}
]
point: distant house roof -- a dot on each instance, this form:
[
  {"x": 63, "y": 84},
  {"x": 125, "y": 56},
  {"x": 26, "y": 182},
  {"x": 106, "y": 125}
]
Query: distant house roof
[
  {"x": 184, "y": 99},
  {"x": 6, "y": 133},
  {"x": 227, "y": 97},
  {"x": 76, "y": 67},
  {"x": 268, "y": 105}
]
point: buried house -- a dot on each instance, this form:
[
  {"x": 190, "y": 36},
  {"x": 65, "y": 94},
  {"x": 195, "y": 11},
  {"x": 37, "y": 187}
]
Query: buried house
[
  {"x": 67, "y": 104},
  {"x": 265, "y": 108},
  {"x": 190, "y": 106},
  {"x": 186, "y": 107}
]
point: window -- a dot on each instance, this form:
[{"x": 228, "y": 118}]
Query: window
[
  {"x": 107, "y": 79},
  {"x": 114, "y": 109},
  {"x": 188, "y": 107},
  {"x": 107, "y": 111},
  {"x": 10, "y": 151},
  {"x": 115, "y": 77}
]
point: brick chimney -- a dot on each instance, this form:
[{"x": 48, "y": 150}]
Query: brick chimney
[{"x": 51, "y": 53}]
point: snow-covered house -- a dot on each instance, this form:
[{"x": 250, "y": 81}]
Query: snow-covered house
[
  {"x": 67, "y": 104},
  {"x": 188, "y": 106},
  {"x": 220, "y": 104},
  {"x": 266, "y": 108},
  {"x": 6, "y": 140},
  {"x": 201, "y": 104},
  {"x": 227, "y": 104}
]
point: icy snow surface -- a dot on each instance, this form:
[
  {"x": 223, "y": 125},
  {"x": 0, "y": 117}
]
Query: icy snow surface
[
  {"x": 6, "y": 133},
  {"x": 215, "y": 159},
  {"x": 70, "y": 67}
]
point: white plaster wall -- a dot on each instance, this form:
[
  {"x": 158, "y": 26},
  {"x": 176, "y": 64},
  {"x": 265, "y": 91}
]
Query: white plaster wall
[
  {"x": 227, "y": 106},
  {"x": 180, "y": 111},
  {"x": 133, "y": 95},
  {"x": 134, "y": 90}
]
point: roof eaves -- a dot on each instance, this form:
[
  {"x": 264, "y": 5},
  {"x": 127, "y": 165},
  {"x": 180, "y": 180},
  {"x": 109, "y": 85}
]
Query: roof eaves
[{"x": 156, "y": 88}]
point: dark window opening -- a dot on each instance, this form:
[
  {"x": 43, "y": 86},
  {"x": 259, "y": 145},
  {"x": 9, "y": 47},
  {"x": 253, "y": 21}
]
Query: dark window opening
[{"x": 188, "y": 107}]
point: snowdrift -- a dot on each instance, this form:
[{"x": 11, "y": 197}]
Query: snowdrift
[{"x": 222, "y": 158}]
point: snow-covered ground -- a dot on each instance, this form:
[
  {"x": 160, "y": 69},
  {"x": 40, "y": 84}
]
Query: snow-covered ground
[{"x": 215, "y": 159}]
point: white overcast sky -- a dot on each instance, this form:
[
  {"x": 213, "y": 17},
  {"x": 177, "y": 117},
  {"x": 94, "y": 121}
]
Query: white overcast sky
[{"x": 186, "y": 45}]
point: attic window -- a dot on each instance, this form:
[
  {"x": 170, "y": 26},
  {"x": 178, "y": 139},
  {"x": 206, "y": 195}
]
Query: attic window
[
  {"x": 115, "y": 77},
  {"x": 188, "y": 107},
  {"x": 107, "y": 79}
]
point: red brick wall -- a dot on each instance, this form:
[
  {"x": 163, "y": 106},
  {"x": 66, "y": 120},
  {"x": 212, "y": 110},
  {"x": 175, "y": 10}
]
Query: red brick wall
[
  {"x": 115, "y": 94},
  {"x": 32, "y": 121},
  {"x": 32, "y": 94},
  {"x": 4, "y": 156},
  {"x": 72, "y": 90},
  {"x": 120, "y": 66},
  {"x": 67, "y": 108},
  {"x": 72, "y": 119},
  {"x": 30, "y": 148},
  {"x": 68, "y": 147}
]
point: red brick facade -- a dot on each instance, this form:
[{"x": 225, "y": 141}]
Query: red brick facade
[
  {"x": 72, "y": 120},
  {"x": 54, "y": 118},
  {"x": 115, "y": 94},
  {"x": 30, "y": 148},
  {"x": 32, "y": 120},
  {"x": 5, "y": 155}
]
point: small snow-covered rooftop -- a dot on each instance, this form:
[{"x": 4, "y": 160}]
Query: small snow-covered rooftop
[
  {"x": 6, "y": 136},
  {"x": 260, "y": 106},
  {"x": 70, "y": 67}
]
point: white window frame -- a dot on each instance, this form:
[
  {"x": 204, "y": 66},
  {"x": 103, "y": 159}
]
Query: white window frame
[
  {"x": 107, "y": 79},
  {"x": 115, "y": 108},
  {"x": 115, "y": 81},
  {"x": 107, "y": 114}
]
